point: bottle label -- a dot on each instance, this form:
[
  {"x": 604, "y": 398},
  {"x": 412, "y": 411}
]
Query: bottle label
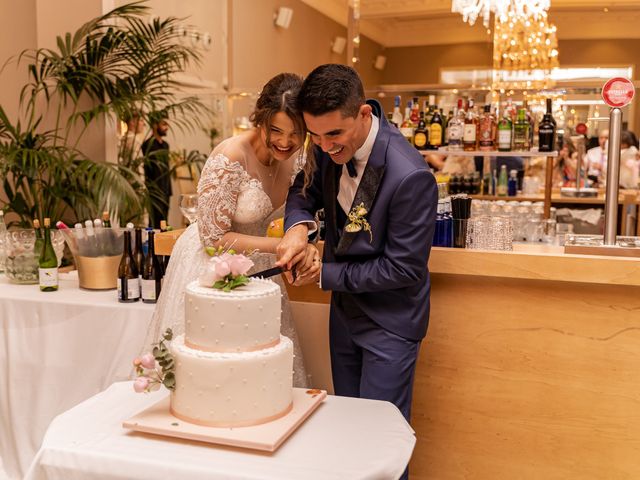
[
  {"x": 48, "y": 277},
  {"x": 455, "y": 132},
  {"x": 420, "y": 140},
  {"x": 148, "y": 289},
  {"x": 132, "y": 287},
  {"x": 469, "y": 132},
  {"x": 435, "y": 134},
  {"x": 504, "y": 139}
]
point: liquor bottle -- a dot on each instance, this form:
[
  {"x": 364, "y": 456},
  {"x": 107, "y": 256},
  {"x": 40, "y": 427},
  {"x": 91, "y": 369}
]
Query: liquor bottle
[
  {"x": 470, "y": 134},
  {"x": 446, "y": 119},
  {"x": 532, "y": 125},
  {"x": 48, "y": 262},
  {"x": 435, "y": 131},
  {"x": 431, "y": 110},
  {"x": 128, "y": 280},
  {"x": 138, "y": 253},
  {"x": 406, "y": 127},
  {"x": 521, "y": 131},
  {"x": 106, "y": 222},
  {"x": 415, "y": 112},
  {"x": 396, "y": 117},
  {"x": 486, "y": 130},
  {"x": 151, "y": 274},
  {"x": 455, "y": 128},
  {"x": 421, "y": 136},
  {"x": 503, "y": 182},
  {"x": 547, "y": 131},
  {"x": 505, "y": 127},
  {"x": 512, "y": 183}
]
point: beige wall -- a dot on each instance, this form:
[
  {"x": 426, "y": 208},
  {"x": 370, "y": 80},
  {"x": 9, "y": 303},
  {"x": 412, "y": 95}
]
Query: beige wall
[
  {"x": 261, "y": 50},
  {"x": 15, "y": 35}
]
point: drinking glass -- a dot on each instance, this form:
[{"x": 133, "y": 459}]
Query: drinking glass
[{"x": 189, "y": 206}]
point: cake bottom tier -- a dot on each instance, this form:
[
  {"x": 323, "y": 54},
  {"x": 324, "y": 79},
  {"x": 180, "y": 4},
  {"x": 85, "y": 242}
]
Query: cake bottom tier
[{"x": 232, "y": 389}]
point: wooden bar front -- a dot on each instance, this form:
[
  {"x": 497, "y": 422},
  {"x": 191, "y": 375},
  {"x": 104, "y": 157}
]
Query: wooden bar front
[{"x": 530, "y": 368}]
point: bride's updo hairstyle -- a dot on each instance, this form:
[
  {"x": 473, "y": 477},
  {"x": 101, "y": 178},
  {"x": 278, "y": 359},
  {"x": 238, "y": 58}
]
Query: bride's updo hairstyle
[{"x": 280, "y": 95}]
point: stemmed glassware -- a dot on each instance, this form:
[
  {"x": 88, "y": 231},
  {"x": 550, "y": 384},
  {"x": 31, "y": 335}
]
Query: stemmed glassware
[{"x": 189, "y": 206}]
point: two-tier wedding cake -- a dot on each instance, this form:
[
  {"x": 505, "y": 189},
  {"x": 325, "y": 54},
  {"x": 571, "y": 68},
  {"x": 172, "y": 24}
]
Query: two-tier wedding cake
[{"x": 232, "y": 366}]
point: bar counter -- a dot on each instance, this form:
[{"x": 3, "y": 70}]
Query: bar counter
[{"x": 529, "y": 369}]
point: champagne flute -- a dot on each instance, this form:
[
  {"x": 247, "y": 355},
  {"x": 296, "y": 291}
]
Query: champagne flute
[{"x": 189, "y": 206}]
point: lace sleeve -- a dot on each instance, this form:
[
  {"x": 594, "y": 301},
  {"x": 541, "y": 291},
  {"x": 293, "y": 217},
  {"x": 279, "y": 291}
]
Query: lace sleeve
[
  {"x": 217, "y": 196},
  {"x": 298, "y": 164}
]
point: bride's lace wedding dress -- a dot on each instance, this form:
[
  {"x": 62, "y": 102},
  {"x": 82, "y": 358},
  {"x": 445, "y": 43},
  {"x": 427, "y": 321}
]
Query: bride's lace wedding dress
[{"x": 232, "y": 197}]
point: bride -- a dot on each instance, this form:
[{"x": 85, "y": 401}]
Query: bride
[{"x": 243, "y": 187}]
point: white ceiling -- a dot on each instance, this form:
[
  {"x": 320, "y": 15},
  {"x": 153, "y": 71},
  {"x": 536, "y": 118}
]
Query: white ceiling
[{"x": 400, "y": 23}]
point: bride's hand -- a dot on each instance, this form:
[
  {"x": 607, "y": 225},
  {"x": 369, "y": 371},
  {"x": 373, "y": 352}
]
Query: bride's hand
[{"x": 308, "y": 270}]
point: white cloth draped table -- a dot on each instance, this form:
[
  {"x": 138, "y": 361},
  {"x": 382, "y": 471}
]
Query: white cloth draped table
[
  {"x": 345, "y": 438},
  {"x": 56, "y": 350}
]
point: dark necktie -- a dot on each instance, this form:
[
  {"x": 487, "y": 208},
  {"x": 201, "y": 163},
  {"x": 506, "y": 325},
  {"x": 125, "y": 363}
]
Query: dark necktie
[{"x": 351, "y": 168}]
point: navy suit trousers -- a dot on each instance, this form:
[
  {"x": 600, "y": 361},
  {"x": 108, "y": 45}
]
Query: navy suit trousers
[{"x": 368, "y": 361}]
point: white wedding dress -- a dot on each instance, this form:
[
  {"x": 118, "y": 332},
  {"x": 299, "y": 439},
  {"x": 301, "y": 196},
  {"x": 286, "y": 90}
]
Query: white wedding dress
[{"x": 232, "y": 198}]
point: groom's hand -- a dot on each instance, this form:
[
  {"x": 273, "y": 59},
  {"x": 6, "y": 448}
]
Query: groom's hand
[{"x": 292, "y": 249}]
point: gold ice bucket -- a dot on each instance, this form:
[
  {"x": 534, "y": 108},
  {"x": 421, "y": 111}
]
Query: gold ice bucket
[{"x": 98, "y": 273}]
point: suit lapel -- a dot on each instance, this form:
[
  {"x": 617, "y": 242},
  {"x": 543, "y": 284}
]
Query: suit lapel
[{"x": 368, "y": 187}]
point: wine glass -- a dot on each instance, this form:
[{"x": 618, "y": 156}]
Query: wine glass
[{"x": 189, "y": 206}]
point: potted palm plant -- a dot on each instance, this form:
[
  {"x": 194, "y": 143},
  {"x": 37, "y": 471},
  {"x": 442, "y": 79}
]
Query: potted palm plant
[{"x": 111, "y": 66}]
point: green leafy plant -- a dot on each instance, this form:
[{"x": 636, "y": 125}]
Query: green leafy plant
[{"x": 112, "y": 67}]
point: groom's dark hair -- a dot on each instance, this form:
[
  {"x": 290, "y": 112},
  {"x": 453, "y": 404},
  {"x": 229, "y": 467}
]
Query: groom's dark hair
[{"x": 331, "y": 87}]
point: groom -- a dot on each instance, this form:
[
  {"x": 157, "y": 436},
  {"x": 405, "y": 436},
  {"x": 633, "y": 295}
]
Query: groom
[{"x": 380, "y": 206}]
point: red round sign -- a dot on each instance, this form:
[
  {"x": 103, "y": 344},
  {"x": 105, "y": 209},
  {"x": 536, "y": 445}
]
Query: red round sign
[
  {"x": 581, "y": 128},
  {"x": 618, "y": 92}
]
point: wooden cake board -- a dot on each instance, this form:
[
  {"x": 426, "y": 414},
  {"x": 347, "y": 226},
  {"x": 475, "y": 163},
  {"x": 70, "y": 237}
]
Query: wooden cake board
[{"x": 268, "y": 436}]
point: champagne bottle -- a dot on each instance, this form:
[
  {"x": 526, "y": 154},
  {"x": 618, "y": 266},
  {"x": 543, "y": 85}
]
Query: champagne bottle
[
  {"x": 106, "y": 223},
  {"x": 48, "y": 262},
  {"x": 128, "y": 281},
  {"x": 151, "y": 274}
]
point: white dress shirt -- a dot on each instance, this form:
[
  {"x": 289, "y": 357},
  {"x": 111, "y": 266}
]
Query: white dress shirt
[{"x": 349, "y": 185}]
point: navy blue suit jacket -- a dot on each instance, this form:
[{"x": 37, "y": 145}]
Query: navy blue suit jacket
[{"x": 384, "y": 278}]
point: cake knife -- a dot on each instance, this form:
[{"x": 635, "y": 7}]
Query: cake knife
[{"x": 270, "y": 272}]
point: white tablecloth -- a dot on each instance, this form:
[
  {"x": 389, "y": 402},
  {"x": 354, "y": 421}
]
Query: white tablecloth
[
  {"x": 345, "y": 438},
  {"x": 56, "y": 350}
]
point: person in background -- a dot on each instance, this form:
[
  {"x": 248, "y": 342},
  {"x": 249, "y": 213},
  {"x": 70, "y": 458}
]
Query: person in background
[
  {"x": 130, "y": 144},
  {"x": 157, "y": 171},
  {"x": 596, "y": 159},
  {"x": 566, "y": 165},
  {"x": 629, "y": 165}
]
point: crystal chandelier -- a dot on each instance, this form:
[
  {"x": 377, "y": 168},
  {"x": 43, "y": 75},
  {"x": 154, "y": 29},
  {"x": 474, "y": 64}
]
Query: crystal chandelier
[
  {"x": 501, "y": 9},
  {"x": 524, "y": 52}
]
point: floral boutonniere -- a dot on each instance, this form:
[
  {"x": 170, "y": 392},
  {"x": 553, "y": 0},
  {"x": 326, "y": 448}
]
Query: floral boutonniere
[
  {"x": 226, "y": 270},
  {"x": 358, "y": 221}
]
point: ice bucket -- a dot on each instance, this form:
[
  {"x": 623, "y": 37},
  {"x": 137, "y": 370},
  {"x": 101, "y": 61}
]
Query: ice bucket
[{"x": 96, "y": 256}]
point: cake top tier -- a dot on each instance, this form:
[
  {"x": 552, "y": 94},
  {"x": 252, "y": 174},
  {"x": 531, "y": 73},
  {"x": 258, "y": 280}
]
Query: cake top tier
[{"x": 256, "y": 288}]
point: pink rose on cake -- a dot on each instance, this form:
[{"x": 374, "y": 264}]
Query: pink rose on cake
[
  {"x": 225, "y": 271},
  {"x": 156, "y": 368}
]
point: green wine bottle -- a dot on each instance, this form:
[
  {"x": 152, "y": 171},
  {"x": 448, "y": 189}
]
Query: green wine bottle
[{"x": 48, "y": 262}]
